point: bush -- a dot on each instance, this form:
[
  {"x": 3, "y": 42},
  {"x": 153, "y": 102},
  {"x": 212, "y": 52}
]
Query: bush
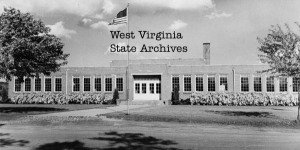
[
  {"x": 243, "y": 99},
  {"x": 115, "y": 96},
  {"x": 175, "y": 96},
  {"x": 60, "y": 98}
]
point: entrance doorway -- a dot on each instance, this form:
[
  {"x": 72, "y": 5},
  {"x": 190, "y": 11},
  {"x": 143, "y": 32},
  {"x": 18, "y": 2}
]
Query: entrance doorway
[{"x": 146, "y": 87}]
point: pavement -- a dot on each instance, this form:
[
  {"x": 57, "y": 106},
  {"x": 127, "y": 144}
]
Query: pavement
[{"x": 91, "y": 112}]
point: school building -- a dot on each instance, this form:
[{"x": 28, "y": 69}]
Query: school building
[{"x": 155, "y": 79}]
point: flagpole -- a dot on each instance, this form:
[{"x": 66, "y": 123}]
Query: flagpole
[{"x": 127, "y": 61}]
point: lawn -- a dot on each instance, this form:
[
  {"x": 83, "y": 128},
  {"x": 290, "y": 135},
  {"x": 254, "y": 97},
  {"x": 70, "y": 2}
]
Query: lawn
[
  {"x": 15, "y": 111},
  {"x": 256, "y": 116}
]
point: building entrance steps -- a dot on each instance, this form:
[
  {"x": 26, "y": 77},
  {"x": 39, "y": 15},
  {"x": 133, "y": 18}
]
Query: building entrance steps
[{"x": 91, "y": 112}]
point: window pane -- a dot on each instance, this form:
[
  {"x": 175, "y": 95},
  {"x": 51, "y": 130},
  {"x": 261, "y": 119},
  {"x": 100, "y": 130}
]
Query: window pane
[
  {"x": 282, "y": 84},
  {"x": 211, "y": 83},
  {"x": 37, "y": 84},
  {"x": 144, "y": 88},
  {"x": 244, "y": 84},
  {"x": 151, "y": 88},
  {"x": 108, "y": 84},
  {"x": 175, "y": 83},
  {"x": 17, "y": 85},
  {"x": 47, "y": 84},
  {"x": 199, "y": 83},
  {"x": 295, "y": 84},
  {"x": 76, "y": 84},
  {"x": 257, "y": 84},
  {"x": 137, "y": 88},
  {"x": 58, "y": 84},
  {"x": 158, "y": 90},
  {"x": 120, "y": 84},
  {"x": 27, "y": 84},
  {"x": 270, "y": 84},
  {"x": 87, "y": 84},
  {"x": 223, "y": 81},
  {"x": 187, "y": 83},
  {"x": 97, "y": 84}
]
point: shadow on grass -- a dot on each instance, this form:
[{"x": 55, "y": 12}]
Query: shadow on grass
[
  {"x": 6, "y": 141},
  {"x": 243, "y": 113},
  {"x": 27, "y": 109},
  {"x": 117, "y": 141}
]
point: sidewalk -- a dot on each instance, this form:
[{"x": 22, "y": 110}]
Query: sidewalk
[{"x": 91, "y": 112}]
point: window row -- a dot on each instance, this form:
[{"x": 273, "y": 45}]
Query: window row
[
  {"x": 75, "y": 84},
  {"x": 199, "y": 84}
]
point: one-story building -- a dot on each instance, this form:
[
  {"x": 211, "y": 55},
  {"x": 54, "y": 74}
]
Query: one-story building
[{"x": 155, "y": 79}]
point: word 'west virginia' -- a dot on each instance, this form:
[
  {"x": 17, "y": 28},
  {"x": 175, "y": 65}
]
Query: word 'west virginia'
[{"x": 146, "y": 35}]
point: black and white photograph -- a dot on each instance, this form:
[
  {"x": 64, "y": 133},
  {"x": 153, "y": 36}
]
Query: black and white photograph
[{"x": 149, "y": 74}]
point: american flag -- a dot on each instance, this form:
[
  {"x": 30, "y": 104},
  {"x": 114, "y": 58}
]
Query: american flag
[{"x": 120, "y": 18}]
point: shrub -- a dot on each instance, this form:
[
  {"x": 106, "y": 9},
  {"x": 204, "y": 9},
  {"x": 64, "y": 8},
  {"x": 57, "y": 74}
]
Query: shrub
[
  {"x": 243, "y": 99},
  {"x": 115, "y": 96},
  {"x": 175, "y": 96}
]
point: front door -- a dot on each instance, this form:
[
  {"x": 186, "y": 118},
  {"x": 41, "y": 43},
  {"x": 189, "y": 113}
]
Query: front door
[{"x": 147, "y": 89}]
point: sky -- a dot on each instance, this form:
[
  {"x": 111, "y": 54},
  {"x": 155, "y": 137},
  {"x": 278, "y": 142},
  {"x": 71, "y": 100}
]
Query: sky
[{"x": 230, "y": 26}]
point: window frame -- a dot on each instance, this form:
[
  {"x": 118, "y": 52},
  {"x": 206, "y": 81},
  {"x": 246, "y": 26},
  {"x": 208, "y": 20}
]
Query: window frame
[
  {"x": 286, "y": 85},
  {"x": 273, "y": 78},
  {"x": 16, "y": 78},
  {"x": 108, "y": 77},
  {"x": 172, "y": 85},
  {"x": 48, "y": 77},
  {"x": 34, "y": 84},
  {"x": 61, "y": 83},
  {"x": 222, "y": 76},
  {"x": 25, "y": 91},
  {"x": 83, "y": 83},
  {"x": 257, "y": 76},
  {"x": 190, "y": 83},
  {"x": 248, "y": 77},
  {"x": 97, "y": 77},
  {"x": 74, "y": 83},
  {"x": 208, "y": 87},
  {"x": 116, "y": 83}
]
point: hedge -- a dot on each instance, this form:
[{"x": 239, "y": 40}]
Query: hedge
[
  {"x": 58, "y": 98},
  {"x": 242, "y": 99}
]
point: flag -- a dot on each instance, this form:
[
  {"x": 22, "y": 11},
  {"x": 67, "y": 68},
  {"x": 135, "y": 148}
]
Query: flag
[{"x": 120, "y": 18}]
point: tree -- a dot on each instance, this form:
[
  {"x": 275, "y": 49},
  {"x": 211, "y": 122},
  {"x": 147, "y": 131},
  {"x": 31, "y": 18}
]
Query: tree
[
  {"x": 26, "y": 47},
  {"x": 280, "y": 49}
]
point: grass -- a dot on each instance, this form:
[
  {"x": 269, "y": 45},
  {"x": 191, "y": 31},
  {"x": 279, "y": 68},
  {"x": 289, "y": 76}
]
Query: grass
[
  {"x": 259, "y": 116},
  {"x": 15, "y": 111}
]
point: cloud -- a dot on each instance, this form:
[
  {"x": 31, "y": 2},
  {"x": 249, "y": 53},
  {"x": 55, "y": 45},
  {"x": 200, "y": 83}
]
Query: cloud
[
  {"x": 76, "y": 7},
  {"x": 176, "y": 4},
  {"x": 59, "y": 30},
  {"x": 177, "y": 25},
  {"x": 215, "y": 14},
  {"x": 104, "y": 25}
]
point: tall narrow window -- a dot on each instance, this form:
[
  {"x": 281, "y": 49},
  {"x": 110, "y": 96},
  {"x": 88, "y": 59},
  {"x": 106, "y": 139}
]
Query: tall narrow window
[
  {"x": 27, "y": 84},
  {"x": 137, "y": 88},
  {"x": 76, "y": 84},
  {"x": 17, "y": 85},
  {"x": 187, "y": 83},
  {"x": 108, "y": 84},
  {"x": 257, "y": 84},
  {"x": 47, "y": 84},
  {"x": 151, "y": 88},
  {"x": 97, "y": 84},
  {"x": 211, "y": 83},
  {"x": 144, "y": 88},
  {"x": 58, "y": 84},
  {"x": 295, "y": 84},
  {"x": 282, "y": 84},
  {"x": 199, "y": 83},
  {"x": 245, "y": 84},
  {"x": 86, "y": 84},
  {"x": 119, "y": 83},
  {"x": 158, "y": 90},
  {"x": 270, "y": 84},
  {"x": 175, "y": 83},
  {"x": 224, "y": 82},
  {"x": 37, "y": 84}
]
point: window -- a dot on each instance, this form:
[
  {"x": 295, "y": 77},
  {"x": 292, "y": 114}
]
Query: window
[
  {"x": 17, "y": 85},
  {"x": 175, "y": 83},
  {"x": 97, "y": 84},
  {"x": 270, "y": 84},
  {"x": 108, "y": 84},
  {"x": 223, "y": 81},
  {"x": 211, "y": 83},
  {"x": 144, "y": 88},
  {"x": 187, "y": 83},
  {"x": 199, "y": 83},
  {"x": 58, "y": 84},
  {"x": 76, "y": 84},
  {"x": 158, "y": 90},
  {"x": 27, "y": 84},
  {"x": 86, "y": 84},
  {"x": 244, "y": 83},
  {"x": 47, "y": 84},
  {"x": 257, "y": 84},
  {"x": 282, "y": 84},
  {"x": 295, "y": 84},
  {"x": 119, "y": 84},
  {"x": 37, "y": 84},
  {"x": 137, "y": 88},
  {"x": 151, "y": 88}
]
